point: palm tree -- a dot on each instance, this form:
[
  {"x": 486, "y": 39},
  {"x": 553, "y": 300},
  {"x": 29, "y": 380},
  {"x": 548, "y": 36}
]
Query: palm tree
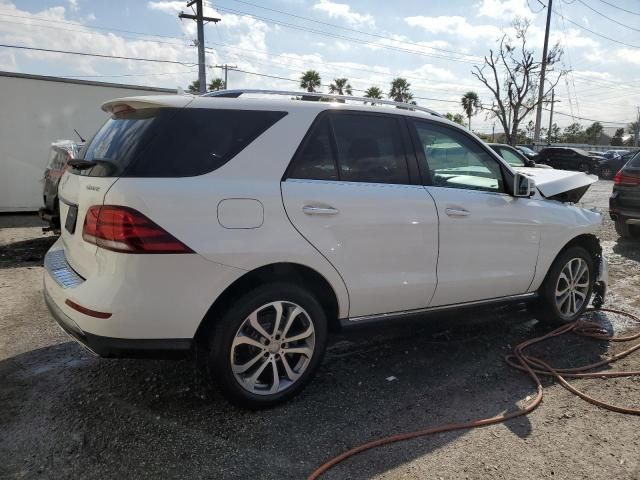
[
  {"x": 194, "y": 87},
  {"x": 470, "y": 104},
  {"x": 373, "y": 92},
  {"x": 400, "y": 90},
  {"x": 310, "y": 80},
  {"x": 216, "y": 84},
  {"x": 340, "y": 86}
]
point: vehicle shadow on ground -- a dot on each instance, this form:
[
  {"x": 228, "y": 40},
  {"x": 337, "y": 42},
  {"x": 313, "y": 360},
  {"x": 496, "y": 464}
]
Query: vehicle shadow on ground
[
  {"x": 25, "y": 253},
  {"x": 629, "y": 249},
  {"x": 105, "y": 418}
]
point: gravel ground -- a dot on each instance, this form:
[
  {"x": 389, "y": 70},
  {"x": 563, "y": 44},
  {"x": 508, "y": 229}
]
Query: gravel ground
[{"x": 66, "y": 414}]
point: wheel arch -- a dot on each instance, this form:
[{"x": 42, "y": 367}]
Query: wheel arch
[
  {"x": 590, "y": 243},
  {"x": 275, "y": 272}
]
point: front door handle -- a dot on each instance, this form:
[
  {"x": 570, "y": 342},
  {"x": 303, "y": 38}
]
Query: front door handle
[
  {"x": 457, "y": 212},
  {"x": 309, "y": 210}
]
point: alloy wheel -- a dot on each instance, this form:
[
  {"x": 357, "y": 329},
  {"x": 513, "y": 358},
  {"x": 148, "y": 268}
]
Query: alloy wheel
[
  {"x": 572, "y": 287},
  {"x": 272, "y": 348}
]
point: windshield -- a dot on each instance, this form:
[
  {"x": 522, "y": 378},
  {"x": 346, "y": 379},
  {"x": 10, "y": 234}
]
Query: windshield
[
  {"x": 512, "y": 157},
  {"x": 526, "y": 150}
]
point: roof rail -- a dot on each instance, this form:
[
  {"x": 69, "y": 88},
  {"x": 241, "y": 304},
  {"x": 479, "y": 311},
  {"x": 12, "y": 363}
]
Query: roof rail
[{"x": 237, "y": 92}]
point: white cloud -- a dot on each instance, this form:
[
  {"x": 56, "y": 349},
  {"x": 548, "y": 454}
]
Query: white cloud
[
  {"x": 454, "y": 25},
  {"x": 73, "y": 4},
  {"x": 628, "y": 55},
  {"x": 343, "y": 11},
  {"x": 504, "y": 9}
]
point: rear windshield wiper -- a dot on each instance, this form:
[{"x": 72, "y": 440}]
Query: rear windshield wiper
[{"x": 81, "y": 164}]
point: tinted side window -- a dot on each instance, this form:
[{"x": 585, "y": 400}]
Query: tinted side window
[
  {"x": 455, "y": 160},
  {"x": 635, "y": 161},
  {"x": 168, "y": 142},
  {"x": 511, "y": 157},
  {"x": 370, "y": 149},
  {"x": 316, "y": 159}
]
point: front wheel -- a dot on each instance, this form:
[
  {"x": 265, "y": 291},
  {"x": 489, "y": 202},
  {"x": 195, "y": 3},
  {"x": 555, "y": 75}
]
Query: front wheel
[
  {"x": 566, "y": 290},
  {"x": 268, "y": 345}
]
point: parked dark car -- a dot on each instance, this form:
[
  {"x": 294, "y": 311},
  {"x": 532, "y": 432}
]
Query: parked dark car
[
  {"x": 528, "y": 152},
  {"x": 59, "y": 155},
  {"x": 566, "y": 158},
  {"x": 513, "y": 156},
  {"x": 609, "y": 166},
  {"x": 624, "y": 203}
]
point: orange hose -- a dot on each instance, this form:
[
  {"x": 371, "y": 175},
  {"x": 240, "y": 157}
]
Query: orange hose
[{"x": 534, "y": 367}]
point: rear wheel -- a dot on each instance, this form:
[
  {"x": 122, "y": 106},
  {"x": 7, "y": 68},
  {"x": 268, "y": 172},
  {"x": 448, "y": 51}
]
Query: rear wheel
[
  {"x": 627, "y": 231},
  {"x": 268, "y": 345},
  {"x": 566, "y": 290}
]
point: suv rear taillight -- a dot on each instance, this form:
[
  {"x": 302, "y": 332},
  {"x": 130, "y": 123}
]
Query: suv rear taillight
[
  {"x": 623, "y": 178},
  {"x": 123, "y": 229}
]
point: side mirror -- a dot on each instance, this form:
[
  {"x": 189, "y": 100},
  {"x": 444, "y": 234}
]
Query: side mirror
[{"x": 523, "y": 186}]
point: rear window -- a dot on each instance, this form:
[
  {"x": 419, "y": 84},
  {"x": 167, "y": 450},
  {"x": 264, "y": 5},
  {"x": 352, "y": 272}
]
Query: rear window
[
  {"x": 169, "y": 142},
  {"x": 634, "y": 162}
]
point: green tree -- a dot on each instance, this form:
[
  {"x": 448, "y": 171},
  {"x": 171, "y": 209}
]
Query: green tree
[
  {"x": 310, "y": 80},
  {"x": 340, "y": 86},
  {"x": 553, "y": 136},
  {"x": 399, "y": 91},
  {"x": 616, "y": 140},
  {"x": 455, "y": 117},
  {"x": 216, "y": 84},
  {"x": 573, "y": 133},
  {"x": 631, "y": 130},
  {"x": 593, "y": 132},
  {"x": 194, "y": 88},
  {"x": 470, "y": 104}
]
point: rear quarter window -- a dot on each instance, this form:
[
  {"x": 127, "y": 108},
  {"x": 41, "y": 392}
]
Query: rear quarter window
[{"x": 168, "y": 142}]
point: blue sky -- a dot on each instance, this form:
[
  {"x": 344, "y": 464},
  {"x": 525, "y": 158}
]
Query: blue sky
[{"x": 433, "y": 44}]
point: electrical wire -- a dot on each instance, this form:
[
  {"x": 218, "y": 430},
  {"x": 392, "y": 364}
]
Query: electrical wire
[
  {"x": 609, "y": 18},
  {"x": 596, "y": 33},
  {"x": 620, "y": 8},
  {"x": 84, "y": 54}
]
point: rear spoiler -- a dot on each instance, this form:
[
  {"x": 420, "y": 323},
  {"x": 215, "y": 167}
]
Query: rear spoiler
[{"x": 152, "y": 101}]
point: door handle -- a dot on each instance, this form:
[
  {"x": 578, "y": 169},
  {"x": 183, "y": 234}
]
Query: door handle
[
  {"x": 457, "y": 212},
  {"x": 309, "y": 210}
]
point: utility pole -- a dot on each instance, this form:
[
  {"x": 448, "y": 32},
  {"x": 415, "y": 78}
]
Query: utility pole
[
  {"x": 226, "y": 67},
  {"x": 553, "y": 96},
  {"x": 636, "y": 142},
  {"x": 200, "y": 19},
  {"x": 536, "y": 135},
  {"x": 493, "y": 133}
]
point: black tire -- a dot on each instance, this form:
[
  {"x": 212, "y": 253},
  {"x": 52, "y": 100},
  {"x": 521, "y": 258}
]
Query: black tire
[
  {"x": 219, "y": 359},
  {"x": 627, "y": 231},
  {"x": 545, "y": 308},
  {"x": 584, "y": 167}
]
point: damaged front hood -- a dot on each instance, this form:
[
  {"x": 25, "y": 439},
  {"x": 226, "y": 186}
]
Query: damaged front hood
[{"x": 563, "y": 185}]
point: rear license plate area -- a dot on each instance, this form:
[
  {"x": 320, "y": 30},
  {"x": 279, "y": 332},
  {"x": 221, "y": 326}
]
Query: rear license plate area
[{"x": 72, "y": 217}]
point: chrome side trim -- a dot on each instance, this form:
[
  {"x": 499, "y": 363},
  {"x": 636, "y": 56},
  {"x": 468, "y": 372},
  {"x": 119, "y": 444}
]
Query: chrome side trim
[
  {"x": 405, "y": 313},
  {"x": 56, "y": 264}
]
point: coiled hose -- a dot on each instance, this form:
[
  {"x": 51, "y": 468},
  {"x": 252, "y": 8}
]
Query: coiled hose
[{"x": 535, "y": 367}]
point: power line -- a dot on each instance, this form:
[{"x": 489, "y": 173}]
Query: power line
[
  {"x": 333, "y": 25},
  {"x": 353, "y": 39},
  {"x": 83, "y": 54},
  {"x": 608, "y": 18},
  {"x": 596, "y": 33},
  {"x": 587, "y": 119},
  {"x": 620, "y": 8}
]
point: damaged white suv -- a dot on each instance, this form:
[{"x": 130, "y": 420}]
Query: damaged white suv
[{"x": 250, "y": 227}]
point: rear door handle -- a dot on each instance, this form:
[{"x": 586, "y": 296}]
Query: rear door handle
[
  {"x": 457, "y": 212},
  {"x": 309, "y": 210}
]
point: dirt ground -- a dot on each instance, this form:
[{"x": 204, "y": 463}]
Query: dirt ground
[{"x": 66, "y": 414}]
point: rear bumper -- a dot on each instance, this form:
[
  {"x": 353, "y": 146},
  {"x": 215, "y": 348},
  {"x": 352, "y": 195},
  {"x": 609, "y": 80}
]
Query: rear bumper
[
  {"x": 623, "y": 211},
  {"x": 118, "y": 347}
]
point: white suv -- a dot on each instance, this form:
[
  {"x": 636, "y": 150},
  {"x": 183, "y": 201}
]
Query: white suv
[{"x": 250, "y": 227}]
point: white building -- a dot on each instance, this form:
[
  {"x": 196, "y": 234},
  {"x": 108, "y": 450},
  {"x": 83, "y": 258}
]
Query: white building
[{"x": 37, "y": 110}]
